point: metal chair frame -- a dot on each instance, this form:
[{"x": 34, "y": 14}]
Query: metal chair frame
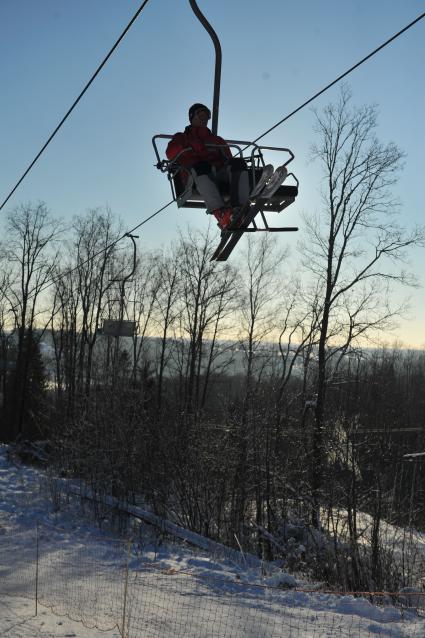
[{"x": 188, "y": 196}]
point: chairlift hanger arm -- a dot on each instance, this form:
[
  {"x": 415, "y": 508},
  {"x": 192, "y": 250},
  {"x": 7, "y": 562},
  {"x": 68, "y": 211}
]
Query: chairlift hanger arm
[
  {"x": 217, "y": 75},
  {"x": 124, "y": 280},
  {"x": 132, "y": 237}
]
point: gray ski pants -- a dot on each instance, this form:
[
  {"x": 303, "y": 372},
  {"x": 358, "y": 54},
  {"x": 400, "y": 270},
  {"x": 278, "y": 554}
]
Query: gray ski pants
[{"x": 208, "y": 186}]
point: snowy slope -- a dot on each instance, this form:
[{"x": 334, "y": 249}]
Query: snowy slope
[{"x": 160, "y": 590}]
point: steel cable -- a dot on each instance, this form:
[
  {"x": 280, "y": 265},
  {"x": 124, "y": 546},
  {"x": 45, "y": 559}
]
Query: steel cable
[
  {"x": 68, "y": 113},
  {"x": 340, "y": 77}
]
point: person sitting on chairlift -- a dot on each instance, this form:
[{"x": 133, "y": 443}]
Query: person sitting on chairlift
[{"x": 208, "y": 158}]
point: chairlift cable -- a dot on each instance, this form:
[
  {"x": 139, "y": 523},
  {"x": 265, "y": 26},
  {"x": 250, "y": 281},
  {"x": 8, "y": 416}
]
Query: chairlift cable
[
  {"x": 340, "y": 77},
  {"x": 65, "y": 117}
]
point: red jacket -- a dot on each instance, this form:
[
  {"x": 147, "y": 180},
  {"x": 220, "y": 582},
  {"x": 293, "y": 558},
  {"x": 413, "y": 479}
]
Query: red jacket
[{"x": 198, "y": 134}]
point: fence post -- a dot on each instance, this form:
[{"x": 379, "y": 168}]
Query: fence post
[
  {"x": 124, "y": 609},
  {"x": 241, "y": 550},
  {"x": 36, "y": 569}
]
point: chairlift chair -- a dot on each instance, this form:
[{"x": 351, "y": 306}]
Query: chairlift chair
[
  {"x": 122, "y": 327},
  {"x": 184, "y": 191}
]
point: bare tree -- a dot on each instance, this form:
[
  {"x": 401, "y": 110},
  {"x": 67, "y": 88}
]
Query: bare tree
[
  {"x": 259, "y": 302},
  {"x": 82, "y": 296},
  {"x": 167, "y": 313},
  {"x": 143, "y": 292},
  {"x": 260, "y": 282},
  {"x": 354, "y": 246},
  {"x": 207, "y": 295},
  {"x": 32, "y": 254},
  {"x": 64, "y": 331},
  {"x": 6, "y": 331},
  {"x": 95, "y": 250}
]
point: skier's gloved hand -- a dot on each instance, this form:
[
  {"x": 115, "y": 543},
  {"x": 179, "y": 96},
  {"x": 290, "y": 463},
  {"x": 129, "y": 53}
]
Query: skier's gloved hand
[{"x": 199, "y": 147}]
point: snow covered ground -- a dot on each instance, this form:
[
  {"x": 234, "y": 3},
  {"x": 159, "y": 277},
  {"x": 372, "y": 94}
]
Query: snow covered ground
[
  {"x": 17, "y": 620},
  {"x": 87, "y": 581}
]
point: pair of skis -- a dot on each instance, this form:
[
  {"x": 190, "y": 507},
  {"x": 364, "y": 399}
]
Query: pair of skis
[{"x": 255, "y": 203}]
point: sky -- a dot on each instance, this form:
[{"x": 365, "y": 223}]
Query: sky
[{"x": 276, "y": 55}]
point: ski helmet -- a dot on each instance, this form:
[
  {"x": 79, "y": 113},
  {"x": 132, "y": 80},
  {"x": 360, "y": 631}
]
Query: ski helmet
[{"x": 195, "y": 107}]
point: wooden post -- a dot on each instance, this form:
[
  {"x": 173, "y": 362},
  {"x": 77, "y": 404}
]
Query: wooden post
[
  {"x": 124, "y": 609},
  {"x": 36, "y": 569}
]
